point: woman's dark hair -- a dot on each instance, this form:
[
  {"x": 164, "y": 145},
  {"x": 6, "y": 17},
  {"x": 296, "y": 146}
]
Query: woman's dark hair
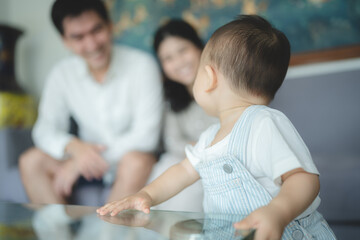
[
  {"x": 72, "y": 8},
  {"x": 176, "y": 93}
]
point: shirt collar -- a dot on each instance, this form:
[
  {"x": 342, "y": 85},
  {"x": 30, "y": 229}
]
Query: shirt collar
[{"x": 83, "y": 69}]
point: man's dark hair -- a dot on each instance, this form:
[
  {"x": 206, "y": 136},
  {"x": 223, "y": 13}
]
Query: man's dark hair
[
  {"x": 251, "y": 54},
  {"x": 176, "y": 93},
  {"x": 72, "y": 8}
]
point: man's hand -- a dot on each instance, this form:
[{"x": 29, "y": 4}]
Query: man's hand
[
  {"x": 65, "y": 177},
  {"x": 140, "y": 201},
  {"x": 88, "y": 158},
  {"x": 267, "y": 221}
]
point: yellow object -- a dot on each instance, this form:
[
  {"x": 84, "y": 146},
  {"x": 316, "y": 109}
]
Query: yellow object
[
  {"x": 17, "y": 232},
  {"x": 17, "y": 110}
]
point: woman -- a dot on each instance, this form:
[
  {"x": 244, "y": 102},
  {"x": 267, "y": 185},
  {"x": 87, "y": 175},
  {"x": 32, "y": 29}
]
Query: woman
[{"x": 178, "y": 48}]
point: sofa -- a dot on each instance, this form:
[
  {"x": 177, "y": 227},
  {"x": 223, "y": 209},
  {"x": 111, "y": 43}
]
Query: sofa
[
  {"x": 13, "y": 142},
  {"x": 325, "y": 111}
]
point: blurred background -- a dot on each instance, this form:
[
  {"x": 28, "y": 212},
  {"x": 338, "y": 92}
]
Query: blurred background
[
  {"x": 310, "y": 25},
  {"x": 320, "y": 94}
]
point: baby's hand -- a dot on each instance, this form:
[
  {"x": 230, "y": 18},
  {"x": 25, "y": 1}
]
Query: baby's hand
[
  {"x": 266, "y": 221},
  {"x": 140, "y": 201}
]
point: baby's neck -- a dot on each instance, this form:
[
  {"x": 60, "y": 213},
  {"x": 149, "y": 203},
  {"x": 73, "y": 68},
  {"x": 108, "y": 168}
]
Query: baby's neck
[
  {"x": 228, "y": 118},
  {"x": 230, "y": 108},
  {"x": 231, "y": 111}
]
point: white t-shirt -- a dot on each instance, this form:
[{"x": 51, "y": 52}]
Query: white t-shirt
[{"x": 274, "y": 148}]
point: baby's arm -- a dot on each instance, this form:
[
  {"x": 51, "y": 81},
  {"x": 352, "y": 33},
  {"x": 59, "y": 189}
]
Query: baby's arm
[
  {"x": 298, "y": 191},
  {"x": 167, "y": 185}
]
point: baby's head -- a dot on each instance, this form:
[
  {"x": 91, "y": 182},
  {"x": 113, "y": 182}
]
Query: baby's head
[{"x": 251, "y": 55}]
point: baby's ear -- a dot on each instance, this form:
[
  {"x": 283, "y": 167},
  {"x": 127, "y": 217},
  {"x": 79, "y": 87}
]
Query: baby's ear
[{"x": 212, "y": 79}]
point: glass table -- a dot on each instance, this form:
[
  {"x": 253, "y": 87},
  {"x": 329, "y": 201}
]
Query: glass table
[{"x": 31, "y": 221}]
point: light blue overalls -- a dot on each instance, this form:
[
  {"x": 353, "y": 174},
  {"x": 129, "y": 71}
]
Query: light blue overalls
[{"x": 230, "y": 188}]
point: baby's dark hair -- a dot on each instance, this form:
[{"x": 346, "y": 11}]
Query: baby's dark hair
[
  {"x": 72, "y": 8},
  {"x": 251, "y": 54},
  {"x": 176, "y": 93}
]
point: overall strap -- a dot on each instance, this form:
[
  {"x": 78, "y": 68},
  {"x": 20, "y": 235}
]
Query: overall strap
[
  {"x": 257, "y": 195},
  {"x": 240, "y": 134}
]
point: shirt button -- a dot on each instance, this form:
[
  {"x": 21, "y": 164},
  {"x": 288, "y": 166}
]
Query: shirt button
[
  {"x": 227, "y": 168},
  {"x": 297, "y": 234}
]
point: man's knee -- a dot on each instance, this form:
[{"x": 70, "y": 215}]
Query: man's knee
[{"x": 31, "y": 160}]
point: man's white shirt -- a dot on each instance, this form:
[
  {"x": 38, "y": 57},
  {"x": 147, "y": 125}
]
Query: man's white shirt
[{"x": 123, "y": 113}]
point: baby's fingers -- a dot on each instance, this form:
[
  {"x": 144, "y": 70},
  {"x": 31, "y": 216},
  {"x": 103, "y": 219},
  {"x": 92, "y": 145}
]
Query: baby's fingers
[
  {"x": 138, "y": 203},
  {"x": 128, "y": 204},
  {"x": 146, "y": 209},
  {"x": 143, "y": 206},
  {"x": 102, "y": 210},
  {"x": 118, "y": 207},
  {"x": 246, "y": 223},
  {"x": 107, "y": 208}
]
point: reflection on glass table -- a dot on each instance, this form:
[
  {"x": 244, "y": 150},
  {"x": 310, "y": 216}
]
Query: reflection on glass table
[{"x": 80, "y": 222}]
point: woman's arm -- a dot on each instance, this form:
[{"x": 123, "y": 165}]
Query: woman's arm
[{"x": 167, "y": 185}]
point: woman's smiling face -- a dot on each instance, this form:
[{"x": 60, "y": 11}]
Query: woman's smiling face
[{"x": 179, "y": 59}]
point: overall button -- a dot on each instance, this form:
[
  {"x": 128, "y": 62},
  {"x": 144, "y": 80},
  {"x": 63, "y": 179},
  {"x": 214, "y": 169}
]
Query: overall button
[
  {"x": 227, "y": 168},
  {"x": 297, "y": 234}
]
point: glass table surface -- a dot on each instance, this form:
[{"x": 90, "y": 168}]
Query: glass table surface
[{"x": 52, "y": 221}]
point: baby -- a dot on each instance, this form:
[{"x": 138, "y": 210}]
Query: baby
[{"x": 254, "y": 162}]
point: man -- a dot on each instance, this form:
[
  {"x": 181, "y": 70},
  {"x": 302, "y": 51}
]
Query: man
[{"x": 114, "y": 95}]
